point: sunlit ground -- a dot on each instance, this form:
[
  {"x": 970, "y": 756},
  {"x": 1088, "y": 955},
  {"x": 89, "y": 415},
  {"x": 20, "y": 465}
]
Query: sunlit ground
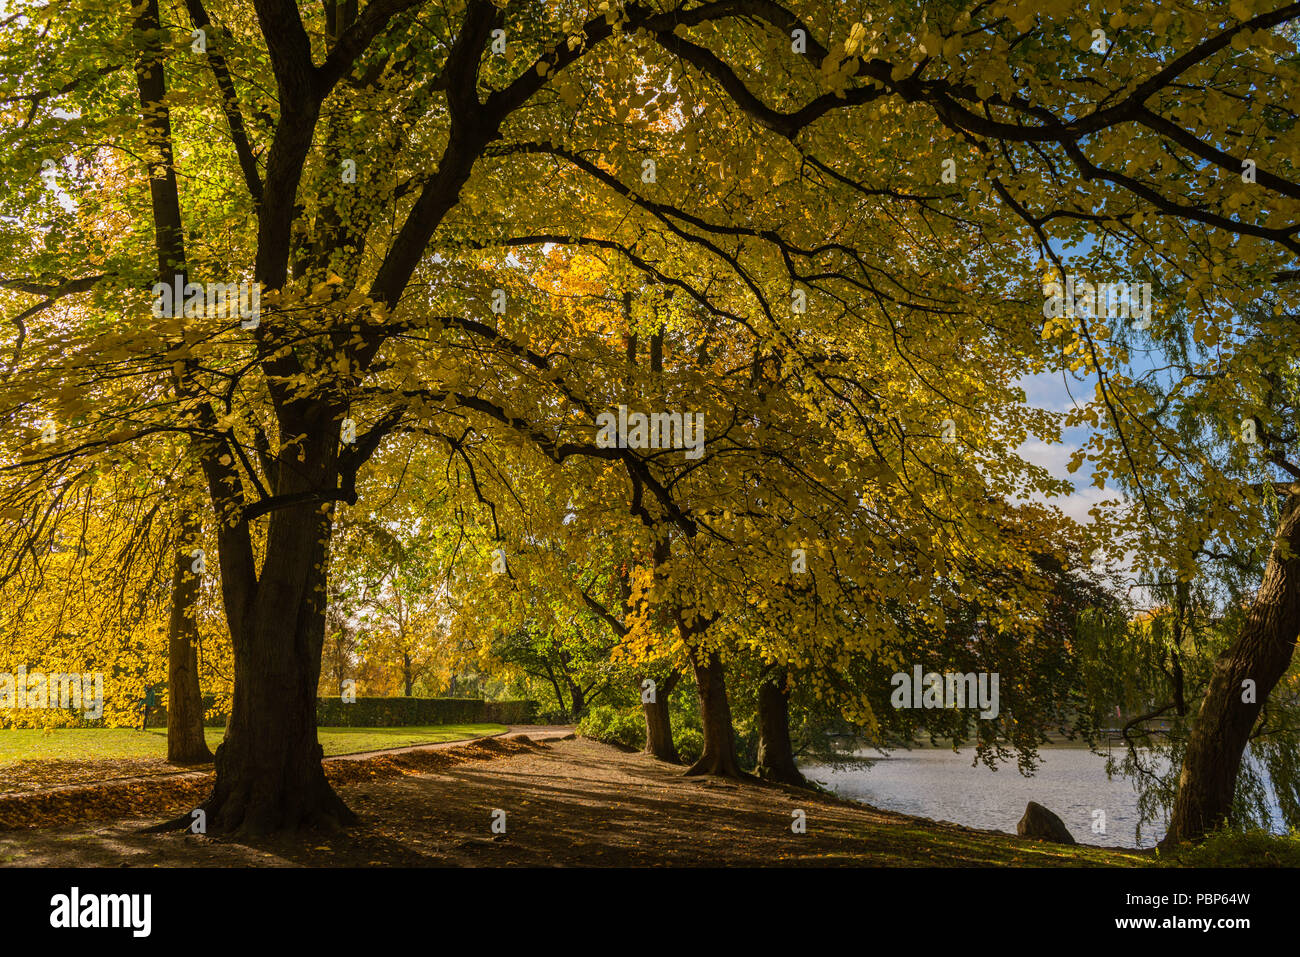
[{"x": 88, "y": 744}]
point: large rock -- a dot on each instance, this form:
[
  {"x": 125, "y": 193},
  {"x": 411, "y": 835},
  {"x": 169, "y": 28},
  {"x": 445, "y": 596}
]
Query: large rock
[{"x": 1041, "y": 824}]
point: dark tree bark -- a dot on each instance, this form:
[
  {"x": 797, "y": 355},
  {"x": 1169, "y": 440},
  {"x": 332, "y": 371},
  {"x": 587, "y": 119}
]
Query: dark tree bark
[
  {"x": 658, "y": 722},
  {"x": 775, "y": 753},
  {"x": 719, "y": 757},
  {"x": 185, "y": 742},
  {"x": 269, "y": 774},
  {"x": 1261, "y": 653},
  {"x": 578, "y": 697},
  {"x": 559, "y": 695}
]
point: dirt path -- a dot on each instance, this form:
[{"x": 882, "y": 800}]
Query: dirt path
[
  {"x": 567, "y": 803},
  {"x": 534, "y": 732}
]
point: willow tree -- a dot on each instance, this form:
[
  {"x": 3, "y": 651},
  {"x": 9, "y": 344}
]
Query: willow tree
[
  {"x": 1211, "y": 510},
  {"x": 1182, "y": 159}
]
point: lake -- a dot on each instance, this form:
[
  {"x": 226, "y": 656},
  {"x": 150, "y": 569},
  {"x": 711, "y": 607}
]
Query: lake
[{"x": 942, "y": 785}]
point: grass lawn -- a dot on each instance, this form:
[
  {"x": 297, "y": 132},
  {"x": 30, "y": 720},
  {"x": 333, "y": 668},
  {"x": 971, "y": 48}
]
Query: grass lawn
[{"x": 111, "y": 744}]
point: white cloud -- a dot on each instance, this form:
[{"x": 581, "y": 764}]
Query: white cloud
[
  {"x": 1076, "y": 505},
  {"x": 1053, "y": 392},
  {"x": 1053, "y": 456}
]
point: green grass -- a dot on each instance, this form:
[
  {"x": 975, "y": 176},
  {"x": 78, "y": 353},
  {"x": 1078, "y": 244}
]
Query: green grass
[
  {"x": 112, "y": 744},
  {"x": 351, "y": 740},
  {"x": 921, "y": 844},
  {"x": 1235, "y": 849}
]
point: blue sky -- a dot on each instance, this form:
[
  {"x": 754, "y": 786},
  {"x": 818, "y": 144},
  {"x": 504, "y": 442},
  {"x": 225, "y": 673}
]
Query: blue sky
[{"x": 1048, "y": 390}]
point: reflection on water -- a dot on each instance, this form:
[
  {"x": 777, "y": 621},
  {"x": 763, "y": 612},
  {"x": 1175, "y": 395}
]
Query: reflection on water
[{"x": 943, "y": 786}]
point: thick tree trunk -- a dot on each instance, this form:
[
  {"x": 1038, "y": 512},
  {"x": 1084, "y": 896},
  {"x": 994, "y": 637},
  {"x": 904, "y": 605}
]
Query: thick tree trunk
[
  {"x": 658, "y": 721},
  {"x": 185, "y": 742},
  {"x": 719, "y": 757},
  {"x": 1262, "y": 654},
  {"x": 269, "y": 775},
  {"x": 775, "y": 753}
]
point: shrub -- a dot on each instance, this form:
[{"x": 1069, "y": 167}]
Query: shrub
[
  {"x": 551, "y": 717},
  {"x": 621, "y": 726},
  {"x": 690, "y": 744},
  {"x": 1227, "y": 848}
]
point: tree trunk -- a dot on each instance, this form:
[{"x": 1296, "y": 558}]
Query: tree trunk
[
  {"x": 719, "y": 757},
  {"x": 269, "y": 775},
  {"x": 658, "y": 721},
  {"x": 1261, "y": 653},
  {"x": 578, "y": 697},
  {"x": 775, "y": 753},
  {"x": 559, "y": 695},
  {"x": 185, "y": 742}
]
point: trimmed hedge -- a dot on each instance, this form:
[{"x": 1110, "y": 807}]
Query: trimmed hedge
[{"x": 399, "y": 712}]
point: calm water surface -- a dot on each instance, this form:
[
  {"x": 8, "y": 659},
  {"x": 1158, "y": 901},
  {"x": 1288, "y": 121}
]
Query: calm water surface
[{"x": 943, "y": 786}]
